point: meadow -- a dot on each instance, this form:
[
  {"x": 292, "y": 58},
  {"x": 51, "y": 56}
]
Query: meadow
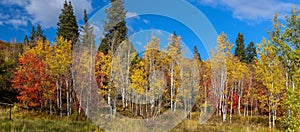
[{"x": 28, "y": 120}]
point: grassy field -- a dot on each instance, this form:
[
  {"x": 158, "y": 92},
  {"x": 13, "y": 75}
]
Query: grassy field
[
  {"x": 34, "y": 121},
  {"x": 25, "y": 120}
]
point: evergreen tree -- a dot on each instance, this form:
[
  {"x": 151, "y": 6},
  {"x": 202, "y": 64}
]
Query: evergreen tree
[
  {"x": 87, "y": 37},
  {"x": 115, "y": 29},
  {"x": 40, "y": 33},
  {"x": 33, "y": 34},
  {"x": 26, "y": 40},
  {"x": 240, "y": 48},
  {"x": 67, "y": 24},
  {"x": 175, "y": 43},
  {"x": 196, "y": 54},
  {"x": 250, "y": 52}
]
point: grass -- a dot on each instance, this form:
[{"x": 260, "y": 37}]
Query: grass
[
  {"x": 33, "y": 121},
  {"x": 216, "y": 125},
  {"x": 25, "y": 120}
]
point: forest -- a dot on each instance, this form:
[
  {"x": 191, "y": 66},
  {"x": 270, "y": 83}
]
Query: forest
[{"x": 257, "y": 86}]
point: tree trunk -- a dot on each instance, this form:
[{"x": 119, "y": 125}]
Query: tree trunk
[
  {"x": 251, "y": 98},
  {"x": 115, "y": 103},
  {"x": 80, "y": 102},
  {"x": 50, "y": 106},
  {"x": 220, "y": 105},
  {"x": 68, "y": 103},
  {"x": 60, "y": 99},
  {"x": 239, "y": 98},
  {"x": 287, "y": 87},
  {"x": 172, "y": 85},
  {"x": 57, "y": 93},
  {"x": 205, "y": 102},
  {"x": 89, "y": 98},
  {"x": 231, "y": 104},
  {"x": 270, "y": 122},
  {"x": 274, "y": 115},
  {"x": 109, "y": 101}
]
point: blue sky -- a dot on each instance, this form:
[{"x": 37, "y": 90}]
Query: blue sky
[{"x": 251, "y": 18}]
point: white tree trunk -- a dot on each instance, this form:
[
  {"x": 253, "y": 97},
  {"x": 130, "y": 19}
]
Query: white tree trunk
[
  {"x": 205, "y": 102},
  {"x": 60, "y": 100},
  {"x": 68, "y": 103},
  {"x": 231, "y": 104},
  {"x": 57, "y": 93},
  {"x": 270, "y": 122},
  {"x": 50, "y": 106},
  {"x": 172, "y": 85},
  {"x": 109, "y": 101},
  {"x": 115, "y": 103},
  {"x": 80, "y": 102}
]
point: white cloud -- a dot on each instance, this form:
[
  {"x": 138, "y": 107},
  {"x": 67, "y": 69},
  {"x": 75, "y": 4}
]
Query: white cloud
[
  {"x": 3, "y": 16},
  {"x": 45, "y": 12},
  {"x": 17, "y": 22},
  {"x": 1, "y": 23},
  {"x": 146, "y": 21},
  {"x": 14, "y": 2},
  {"x": 132, "y": 14},
  {"x": 158, "y": 32},
  {"x": 98, "y": 31},
  {"x": 15, "y": 19},
  {"x": 252, "y": 10},
  {"x": 208, "y": 2},
  {"x": 139, "y": 43}
]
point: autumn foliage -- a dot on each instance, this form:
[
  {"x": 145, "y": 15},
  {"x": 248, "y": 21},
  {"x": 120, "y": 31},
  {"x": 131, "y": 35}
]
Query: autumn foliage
[{"x": 32, "y": 81}]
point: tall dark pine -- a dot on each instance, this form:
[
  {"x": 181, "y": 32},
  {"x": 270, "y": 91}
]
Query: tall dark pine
[
  {"x": 40, "y": 33},
  {"x": 115, "y": 30},
  {"x": 87, "y": 37},
  {"x": 26, "y": 40},
  {"x": 240, "y": 48},
  {"x": 32, "y": 34},
  {"x": 67, "y": 24},
  {"x": 250, "y": 52},
  {"x": 35, "y": 36},
  {"x": 196, "y": 54},
  {"x": 175, "y": 43}
]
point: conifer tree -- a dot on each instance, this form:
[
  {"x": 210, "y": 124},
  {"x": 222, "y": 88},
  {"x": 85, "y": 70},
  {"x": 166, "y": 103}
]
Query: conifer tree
[
  {"x": 197, "y": 55},
  {"x": 115, "y": 29},
  {"x": 250, "y": 52},
  {"x": 33, "y": 34},
  {"x": 87, "y": 37},
  {"x": 67, "y": 24},
  {"x": 40, "y": 33},
  {"x": 240, "y": 48},
  {"x": 26, "y": 40}
]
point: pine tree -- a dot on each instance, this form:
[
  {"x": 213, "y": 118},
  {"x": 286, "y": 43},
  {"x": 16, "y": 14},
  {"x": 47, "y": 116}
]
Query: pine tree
[
  {"x": 175, "y": 43},
  {"x": 67, "y": 24},
  {"x": 87, "y": 37},
  {"x": 250, "y": 52},
  {"x": 86, "y": 47},
  {"x": 33, "y": 34},
  {"x": 115, "y": 29},
  {"x": 26, "y": 41},
  {"x": 196, "y": 54},
  {"x": 40, "y": 33},
  {"x": 240, "y": 48}
]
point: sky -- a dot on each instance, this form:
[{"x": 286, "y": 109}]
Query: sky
[{"x": 251, "y": 18}]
